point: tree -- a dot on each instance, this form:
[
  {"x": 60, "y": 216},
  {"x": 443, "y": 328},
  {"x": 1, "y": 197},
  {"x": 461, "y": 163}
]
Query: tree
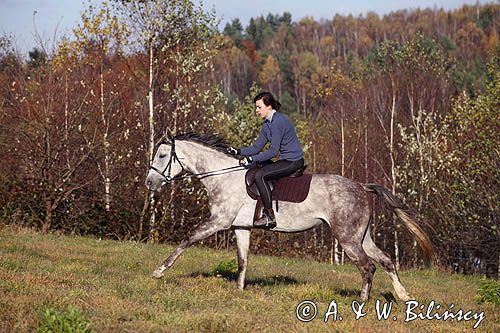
[
  {"x": 232, "y": 67},
  {"x": 471, "y": 39},
  {"x": 44, "y": 123},
  {"x": 178, "y": 38},
  {"x": 241, "y": 127},
  {"x": 99, "y": 34},
  {"x": 306, "y": 74},
  {"x": 270, "y": 75},
  {"x": 472, "y": 182},
  {"x": 259, "y": 31},
  {"x": 234, "y": 29},
  {"x": 337, "y": 91}
]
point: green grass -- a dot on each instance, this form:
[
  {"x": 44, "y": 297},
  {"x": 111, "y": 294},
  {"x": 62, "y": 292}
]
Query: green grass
[
  {"x": 110, "y": 284},
  {"x": 67, "y": 321}
]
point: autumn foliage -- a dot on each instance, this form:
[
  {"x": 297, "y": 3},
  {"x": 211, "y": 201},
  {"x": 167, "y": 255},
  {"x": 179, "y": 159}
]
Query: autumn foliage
[{"x": 409, "y": 100}]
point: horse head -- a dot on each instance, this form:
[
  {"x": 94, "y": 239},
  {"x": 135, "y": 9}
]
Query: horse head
[{"x": 166, "y": 165}]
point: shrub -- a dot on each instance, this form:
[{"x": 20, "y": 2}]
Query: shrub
[
  {"x": 489, "y": 292},
  {"x": 68, "y": 321},
  {"x": 227, "y": 268}
]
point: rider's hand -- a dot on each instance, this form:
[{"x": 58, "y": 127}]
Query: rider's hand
[
  {"x": 246, "y": 161},
  {"x": 233, "y": 151}
]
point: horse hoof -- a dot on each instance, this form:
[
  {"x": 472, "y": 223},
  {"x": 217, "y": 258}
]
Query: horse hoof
[{"x": 158, "y": 274}]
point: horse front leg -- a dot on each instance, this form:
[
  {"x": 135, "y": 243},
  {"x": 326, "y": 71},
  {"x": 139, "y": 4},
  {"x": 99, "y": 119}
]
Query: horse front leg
[
  {"x": 201, "y": 232},
  {"x": 243, "y": 244}
]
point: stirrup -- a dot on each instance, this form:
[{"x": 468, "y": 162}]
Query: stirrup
[
  {"x": 267, "y": 225},
  {"x": 265, "y": 221}
]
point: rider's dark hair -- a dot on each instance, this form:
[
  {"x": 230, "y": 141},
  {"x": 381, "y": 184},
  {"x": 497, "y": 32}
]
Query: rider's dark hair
[{"x": 268, "y": 99}]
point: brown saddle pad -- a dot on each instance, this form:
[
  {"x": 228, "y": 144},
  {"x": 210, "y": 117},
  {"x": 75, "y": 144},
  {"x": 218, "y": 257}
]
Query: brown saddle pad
[{"x": 291, "y": 189}]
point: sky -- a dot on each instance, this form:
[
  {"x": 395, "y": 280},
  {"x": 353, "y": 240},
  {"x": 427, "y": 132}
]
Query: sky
[{"x": 54, "y": 18}]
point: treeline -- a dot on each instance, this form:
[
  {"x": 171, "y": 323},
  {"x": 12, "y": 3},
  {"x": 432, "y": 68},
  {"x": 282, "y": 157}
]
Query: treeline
[{"x": 409, "y": 100}]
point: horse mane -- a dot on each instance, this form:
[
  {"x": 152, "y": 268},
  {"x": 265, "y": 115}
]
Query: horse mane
[{"x": 210, "y": 140}]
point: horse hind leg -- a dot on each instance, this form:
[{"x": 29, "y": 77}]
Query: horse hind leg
[
  {"x": 355, "y": 252},
  {"x": 387, "y": 264}
]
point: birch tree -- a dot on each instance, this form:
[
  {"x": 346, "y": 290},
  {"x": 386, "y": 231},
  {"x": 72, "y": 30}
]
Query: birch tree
[
  {"x": 387, "y": 104},
  {"x": 338, "y": 91},
  {"x": 427, "y": 92},
  {"x": 99, "y": 34},
  {"x": 147, "y": 23},
  {"x": 176, "y": 37}
]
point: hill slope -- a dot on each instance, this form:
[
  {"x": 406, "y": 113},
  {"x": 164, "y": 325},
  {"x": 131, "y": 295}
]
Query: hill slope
[{"x": 111, "y": 283}]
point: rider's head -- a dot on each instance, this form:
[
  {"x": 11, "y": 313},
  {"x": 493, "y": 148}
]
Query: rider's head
[{"x": 264, "y": 103}]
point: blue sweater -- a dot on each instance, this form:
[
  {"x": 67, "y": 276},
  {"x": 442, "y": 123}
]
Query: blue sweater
[{"x": 281, "y": 133}]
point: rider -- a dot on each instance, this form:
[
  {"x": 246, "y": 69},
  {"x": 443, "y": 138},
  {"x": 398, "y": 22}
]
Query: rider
[{"x": 280, "y": 132}]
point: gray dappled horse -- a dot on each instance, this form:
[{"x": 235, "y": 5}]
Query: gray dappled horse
[{"x": 345, "y": 205}]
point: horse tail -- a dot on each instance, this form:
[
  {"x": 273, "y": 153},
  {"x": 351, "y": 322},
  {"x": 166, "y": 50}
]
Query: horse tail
[{"x": 393, "y": 203}]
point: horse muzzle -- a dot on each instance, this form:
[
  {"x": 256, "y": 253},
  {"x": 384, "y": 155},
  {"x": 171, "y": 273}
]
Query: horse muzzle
[{"x": 155, "y": 182}]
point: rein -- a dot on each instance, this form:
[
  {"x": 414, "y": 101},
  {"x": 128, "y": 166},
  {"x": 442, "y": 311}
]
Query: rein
[{"x": 201, "y": 175}]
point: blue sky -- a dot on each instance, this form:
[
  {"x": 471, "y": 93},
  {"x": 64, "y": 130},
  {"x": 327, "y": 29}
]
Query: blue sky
[{"x": 16, "y": 16}]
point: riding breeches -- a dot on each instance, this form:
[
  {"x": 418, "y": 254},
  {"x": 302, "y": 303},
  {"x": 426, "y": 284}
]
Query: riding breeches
[{"x": 273, "y": 171}]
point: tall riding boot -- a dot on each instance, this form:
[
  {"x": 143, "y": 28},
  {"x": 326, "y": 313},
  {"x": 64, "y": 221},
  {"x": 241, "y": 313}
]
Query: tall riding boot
[{"x": 267, "y": 220}]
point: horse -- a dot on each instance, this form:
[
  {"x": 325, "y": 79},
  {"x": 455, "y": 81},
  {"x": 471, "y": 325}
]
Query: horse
[{"x": 346, "y": 206}]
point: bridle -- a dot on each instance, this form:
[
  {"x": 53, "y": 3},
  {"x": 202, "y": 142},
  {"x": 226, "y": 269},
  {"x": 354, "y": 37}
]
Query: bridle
[
  {"x": 172, "y": 159},
  {"x": 166, "y": 173}
]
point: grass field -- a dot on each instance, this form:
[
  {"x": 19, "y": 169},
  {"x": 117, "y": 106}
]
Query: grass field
[{"x": 110, "y": 282}]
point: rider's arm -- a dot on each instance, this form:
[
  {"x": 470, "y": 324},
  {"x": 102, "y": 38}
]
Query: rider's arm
[
  {"x": 278, "y": 132},
  {"x": 256, "y": 147}
]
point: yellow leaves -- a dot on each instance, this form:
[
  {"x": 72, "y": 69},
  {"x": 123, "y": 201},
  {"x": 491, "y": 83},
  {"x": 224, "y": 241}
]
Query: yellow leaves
[
  {"x": 493, "y": 41},
  {"x": 334, "y": 84},
  {"x": 270, "y": 70},
  {"x": 65, "y": 53},
  {"x": 99, "y": 29}
]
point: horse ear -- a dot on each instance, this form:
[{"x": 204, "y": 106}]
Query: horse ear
[{"x": 169, "y": 134}]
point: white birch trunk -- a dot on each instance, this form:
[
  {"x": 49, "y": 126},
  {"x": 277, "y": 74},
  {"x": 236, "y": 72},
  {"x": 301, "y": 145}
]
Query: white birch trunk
[
  {"x": 335, "y": 251},
  {"x": 366, "y": 139},
  {"x": 66, "y": 119},
  {"x": 342, "y": 172},
  {"x": 332, "y": 250},
  {"x": 393, "y": 170},
  {"x": 174, "y": 128},
  {"x": 416, "y": 121},
  {"x": 152, "y": 218},
  {"x": 105, "y": 142}
]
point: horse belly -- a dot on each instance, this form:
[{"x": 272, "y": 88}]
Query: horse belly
[{"x": 296, "y": 217}]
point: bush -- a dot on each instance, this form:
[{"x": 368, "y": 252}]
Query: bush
[
  {"x": 67, "y": 321},
  {"x": 227, "y": 268},
  {"x": 489, "y": 292}
]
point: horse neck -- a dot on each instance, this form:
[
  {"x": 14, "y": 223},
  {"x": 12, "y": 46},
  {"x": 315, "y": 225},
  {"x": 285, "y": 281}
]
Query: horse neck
[{"x": 199, "y": 158}]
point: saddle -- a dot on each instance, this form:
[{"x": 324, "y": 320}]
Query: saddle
[{"x": 293, "y": 188}]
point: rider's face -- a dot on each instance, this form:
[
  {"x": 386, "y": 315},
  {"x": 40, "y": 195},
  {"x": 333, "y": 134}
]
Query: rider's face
[{"x": 262, "y": 109}]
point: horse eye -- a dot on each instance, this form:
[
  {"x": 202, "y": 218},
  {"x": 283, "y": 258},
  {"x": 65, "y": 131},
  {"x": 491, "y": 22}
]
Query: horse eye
[{"x": 163, "y": 156}]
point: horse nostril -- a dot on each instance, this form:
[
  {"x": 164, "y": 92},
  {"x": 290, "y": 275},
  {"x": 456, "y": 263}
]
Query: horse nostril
[{"x": 148, "y": 183}]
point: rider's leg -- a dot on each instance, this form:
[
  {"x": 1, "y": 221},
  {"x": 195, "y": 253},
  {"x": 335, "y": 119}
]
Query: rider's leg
[{"x": 279, "y": 169}]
